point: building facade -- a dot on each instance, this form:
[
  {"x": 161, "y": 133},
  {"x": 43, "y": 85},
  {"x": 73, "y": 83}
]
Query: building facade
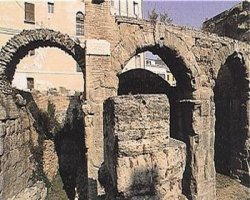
[
  {"x": 158, "y": 67},
  {"x": 233, "y": 23},
  {"x": 44, "y": 68},
  {"x": 127, "y": 8}
]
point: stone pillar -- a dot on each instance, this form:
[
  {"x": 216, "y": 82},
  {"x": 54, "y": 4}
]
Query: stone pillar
[
  {"x": 141, "y": 160},
  {"x": 194, "y": 125},
  {"x": 97, "y": 64}
]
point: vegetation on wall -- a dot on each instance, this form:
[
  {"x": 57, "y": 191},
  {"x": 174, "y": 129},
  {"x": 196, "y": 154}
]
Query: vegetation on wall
[{"x": 162, "y": 17}]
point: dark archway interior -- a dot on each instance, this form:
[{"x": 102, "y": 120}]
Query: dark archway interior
[
  {"x": 141, "y": 81},
  {"x": 230, "y": 96},
  {"x": 71, "y": 151}
]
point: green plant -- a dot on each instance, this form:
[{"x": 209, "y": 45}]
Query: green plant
[
  {"x": 162, "y": 17},
  {"x": 153, "y": 16}
]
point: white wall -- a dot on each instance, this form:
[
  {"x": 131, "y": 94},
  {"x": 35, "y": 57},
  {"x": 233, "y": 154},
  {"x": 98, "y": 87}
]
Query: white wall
[{"x": 126, "y": 8}]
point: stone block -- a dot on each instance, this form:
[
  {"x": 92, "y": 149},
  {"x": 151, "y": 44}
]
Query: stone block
[
  {"x": 141, "y": 159},
  {"x": 134, "y": 175}
]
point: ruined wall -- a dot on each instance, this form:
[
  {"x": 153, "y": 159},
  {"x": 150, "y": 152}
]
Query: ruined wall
[
  {"x": 140, "y": 158},
  {"x": 64, "y": 152},
  {"x": 44, "y": 147},
  {"x": 19, "y": 142},
  {"x": 194, "y": 58},
  {"x": 233, "y": 23}
]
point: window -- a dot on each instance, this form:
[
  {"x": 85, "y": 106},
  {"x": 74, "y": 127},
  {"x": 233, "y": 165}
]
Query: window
[
  {"x": 168, "y": 78},
  {"x": 112, "y": 3},
  {"x": 138, "y": 61},
  {"x": 30, "y": 83},
  {"x": 136, "y": 9},
  {"x": 29, "y": 12},
  {"x": 79, "y": 23},
  {"x": 78, "y": 68},
  {"x": 50, "y": 7},
  {"x": 32, "y": 52}
]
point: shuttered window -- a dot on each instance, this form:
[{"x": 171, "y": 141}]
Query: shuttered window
[
  {"x": 50, "y": 7},
  {"x": 79, "y": 23},
  {"x": 29, "y": 12}
]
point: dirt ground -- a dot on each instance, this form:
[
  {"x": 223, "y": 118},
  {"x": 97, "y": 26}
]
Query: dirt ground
[{"x": 229, "y": 189}]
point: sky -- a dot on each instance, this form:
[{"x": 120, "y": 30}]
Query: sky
[{"x": 188, "y": 12}]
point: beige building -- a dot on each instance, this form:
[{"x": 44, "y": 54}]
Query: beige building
[
  {"x": 127, "y": 8},
  {"x": 44, "y": 68},
  {"x": 158, "y": 67}
]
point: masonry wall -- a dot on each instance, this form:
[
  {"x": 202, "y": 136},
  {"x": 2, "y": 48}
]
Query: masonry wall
[
  {"x": 140, "y": 158},
  {"x": 19, "y": 140},
  {"x": 44, "y": 148}
]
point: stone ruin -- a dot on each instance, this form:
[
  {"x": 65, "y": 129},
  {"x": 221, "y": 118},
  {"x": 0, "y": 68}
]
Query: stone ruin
[
  {"x": 141, "y": 161},
  {"x": 209, "y": 107}
]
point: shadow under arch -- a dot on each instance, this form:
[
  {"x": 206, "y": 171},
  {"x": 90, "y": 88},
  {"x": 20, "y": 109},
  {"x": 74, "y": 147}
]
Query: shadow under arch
[
  {"x": 68, "y": 137},
  {"x": 142, "y": 81},
  {"x": 19, "y": 45},
  {"x": 231, "y": 112}
]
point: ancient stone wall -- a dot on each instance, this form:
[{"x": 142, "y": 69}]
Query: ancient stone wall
[
  {"x": 19, "y": 141},
  {"x": 44, "y": 147},
  {"x": 140, "y": 158},
  {"x": 195, "y": 58}
]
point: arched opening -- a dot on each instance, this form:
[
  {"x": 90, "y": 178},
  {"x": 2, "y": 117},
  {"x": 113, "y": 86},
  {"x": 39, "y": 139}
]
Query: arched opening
[
  {"x": 47, "y": 69},
  {"x": 231, "y": 126},
  {"x": 55, "y": 121},
  {"x": 180, "y": 94}
]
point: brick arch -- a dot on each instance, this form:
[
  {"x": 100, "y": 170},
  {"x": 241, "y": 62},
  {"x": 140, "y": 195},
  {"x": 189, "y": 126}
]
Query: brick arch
[
  {"x": 19, "y": 45},
  {"x": 169, "y": 47}
]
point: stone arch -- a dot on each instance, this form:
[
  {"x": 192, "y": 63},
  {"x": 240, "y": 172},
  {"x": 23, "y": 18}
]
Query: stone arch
[
  {"x": 169, "y": 47},
  {"x": 232, "y": 114},
  {"x": 19, "y": 45},
  {"x": 188, "y": 111}
]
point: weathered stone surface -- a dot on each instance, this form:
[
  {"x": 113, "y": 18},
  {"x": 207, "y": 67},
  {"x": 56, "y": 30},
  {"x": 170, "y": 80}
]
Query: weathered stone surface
[
  {"x": 38, "y": 191},
  {"x": 197, "y": 59},
  {"x": 138, "y": 164}
]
